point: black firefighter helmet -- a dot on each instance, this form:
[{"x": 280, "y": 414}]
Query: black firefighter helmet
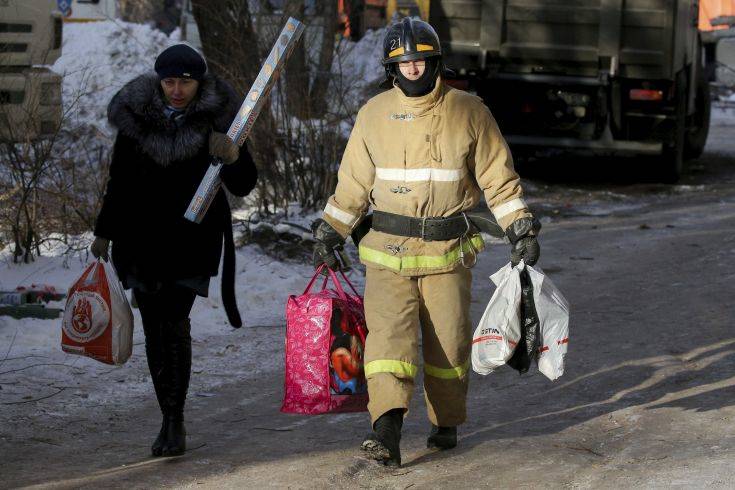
[{"x": 408, "y": 40}]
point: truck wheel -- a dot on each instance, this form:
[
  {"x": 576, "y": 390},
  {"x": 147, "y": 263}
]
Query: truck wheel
[{"x": 698, "y": 127}]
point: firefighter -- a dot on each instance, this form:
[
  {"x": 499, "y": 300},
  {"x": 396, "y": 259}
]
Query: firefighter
[{"x": 420, "y": 155}]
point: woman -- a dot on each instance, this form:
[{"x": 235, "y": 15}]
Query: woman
[{"x": 170, "y": 124}]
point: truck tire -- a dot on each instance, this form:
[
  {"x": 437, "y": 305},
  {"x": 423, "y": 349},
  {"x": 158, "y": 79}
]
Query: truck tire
[{"x": 698, "y": 127}]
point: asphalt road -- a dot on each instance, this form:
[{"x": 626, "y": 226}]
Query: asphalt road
[{"x": 647, "y": 399}]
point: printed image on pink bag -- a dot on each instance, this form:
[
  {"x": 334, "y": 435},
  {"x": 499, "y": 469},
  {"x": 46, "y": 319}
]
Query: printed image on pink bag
[{"x": 325, "y": 342}]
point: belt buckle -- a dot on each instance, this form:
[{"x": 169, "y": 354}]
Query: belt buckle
[
  {"x": 423, "y": 228},
  {"x": 424, "y": 236}
]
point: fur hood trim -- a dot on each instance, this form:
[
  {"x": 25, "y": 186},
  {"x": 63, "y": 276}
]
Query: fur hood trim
[{"x": 137, "y": 111}]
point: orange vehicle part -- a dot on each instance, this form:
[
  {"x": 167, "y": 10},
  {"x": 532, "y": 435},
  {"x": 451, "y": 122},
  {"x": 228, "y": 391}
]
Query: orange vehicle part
[{"x": 711, "y": 9}]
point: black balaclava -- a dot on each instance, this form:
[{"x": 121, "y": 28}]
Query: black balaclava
[{"x": 424, "y": 84}]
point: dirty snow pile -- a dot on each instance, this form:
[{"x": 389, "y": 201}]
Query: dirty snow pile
[
  {"x": 361, "y": 60},
  {"x": 358, "y": 66},
  {"x": 723, "y": 109},
  {"x": 98, "y": 58}
]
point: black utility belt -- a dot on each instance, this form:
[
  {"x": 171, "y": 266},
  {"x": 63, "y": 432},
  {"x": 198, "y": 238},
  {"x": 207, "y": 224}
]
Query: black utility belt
[{"x": 428, "y": 229}]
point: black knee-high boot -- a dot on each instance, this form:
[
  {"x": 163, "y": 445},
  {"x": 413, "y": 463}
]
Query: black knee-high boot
[
  {"x": 177, "y": 337},
  {"x": 159, "y": 375},
  {"x": 154, "y": 350}
]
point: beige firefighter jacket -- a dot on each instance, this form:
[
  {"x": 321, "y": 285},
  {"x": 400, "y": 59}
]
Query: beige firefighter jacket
[{"x": 428, "y": 156}]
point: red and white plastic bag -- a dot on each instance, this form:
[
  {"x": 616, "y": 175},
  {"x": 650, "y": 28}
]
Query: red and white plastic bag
[
  {"x": 553, "y": 314},
  {"x": 98, "y": 321},
  {"x": 499, "y": 329}
]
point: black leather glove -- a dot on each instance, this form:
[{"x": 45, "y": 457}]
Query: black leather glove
[
  {"x": 328, "y": 242},
  {"x": 99, "y": 248},
  {"x": 522, "y": 234},
  {"x": 222, "y": 147}
]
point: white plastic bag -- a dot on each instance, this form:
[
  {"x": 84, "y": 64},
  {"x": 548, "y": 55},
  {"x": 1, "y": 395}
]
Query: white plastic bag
[
  {"x": 499, "y": 330},
  {"x": 98, "y": 321},
  {"x": 553, "y": 313}
]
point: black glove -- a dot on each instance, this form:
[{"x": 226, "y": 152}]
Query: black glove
[
  {"x": 328, "y": 241},
  {"x": 222, "y": 147},
  {"x": 362, "y": 229},
  {"x": 99, "y": 248},
  {"x": 522, "y": 235}
]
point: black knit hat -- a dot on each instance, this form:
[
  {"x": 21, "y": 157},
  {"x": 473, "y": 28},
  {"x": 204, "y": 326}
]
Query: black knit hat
[{"x": 180, "y": 61}]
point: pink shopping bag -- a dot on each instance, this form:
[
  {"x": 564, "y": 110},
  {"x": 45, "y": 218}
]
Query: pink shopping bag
[{"x": 325, "y": 341}]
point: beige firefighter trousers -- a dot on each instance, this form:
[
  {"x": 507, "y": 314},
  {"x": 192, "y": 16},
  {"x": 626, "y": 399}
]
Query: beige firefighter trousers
[{"x": 396, "y": 308}]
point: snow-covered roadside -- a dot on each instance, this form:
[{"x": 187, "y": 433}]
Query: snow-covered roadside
[
  {"x": 723, "y": 115},
  {"x": 32, "y": 364}
]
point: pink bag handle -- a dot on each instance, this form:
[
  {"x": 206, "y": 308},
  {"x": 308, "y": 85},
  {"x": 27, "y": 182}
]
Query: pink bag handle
[
  {"x": 335, "y": 280},
  {"x": 313, "y": 279},
  {"x": 333, "y": 276},
  {"x": 338, "y": 286},
  {"x": 349, "y": 283}
]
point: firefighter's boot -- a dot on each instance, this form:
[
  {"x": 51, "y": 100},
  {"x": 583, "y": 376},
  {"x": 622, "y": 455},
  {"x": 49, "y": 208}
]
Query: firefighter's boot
[
  {"x": 382, "y": 444},
  {"x": 442, "y": 437}
]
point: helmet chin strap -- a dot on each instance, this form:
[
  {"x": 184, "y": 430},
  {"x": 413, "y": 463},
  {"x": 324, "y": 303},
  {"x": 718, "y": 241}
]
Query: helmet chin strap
[{"x": 422, "y": 85}]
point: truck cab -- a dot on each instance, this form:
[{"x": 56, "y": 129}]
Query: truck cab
[{"x": 30, "y": 93}]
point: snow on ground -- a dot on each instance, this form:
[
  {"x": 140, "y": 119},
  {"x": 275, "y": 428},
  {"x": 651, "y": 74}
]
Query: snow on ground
[
  {"x": 262, "y": 285},
  {"x": 723, "y": 114},
  {"x": 33, "y": 365}
]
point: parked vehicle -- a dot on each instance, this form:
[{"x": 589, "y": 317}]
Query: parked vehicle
[
  {"x": 30, "y": 93},
  {"x": 598, "y": 76}
]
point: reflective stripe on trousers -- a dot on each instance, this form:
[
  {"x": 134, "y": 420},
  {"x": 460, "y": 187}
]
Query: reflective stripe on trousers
[{"x": 397, "y": 308}]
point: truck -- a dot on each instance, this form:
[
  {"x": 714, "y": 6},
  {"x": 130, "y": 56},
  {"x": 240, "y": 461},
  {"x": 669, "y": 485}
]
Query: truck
[
  {"x": 30, "y": 93},
  {"x": 590, "y": 76}
]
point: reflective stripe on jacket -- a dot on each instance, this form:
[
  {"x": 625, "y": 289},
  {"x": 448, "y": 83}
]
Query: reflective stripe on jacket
[{"x": 426, "y": 156}]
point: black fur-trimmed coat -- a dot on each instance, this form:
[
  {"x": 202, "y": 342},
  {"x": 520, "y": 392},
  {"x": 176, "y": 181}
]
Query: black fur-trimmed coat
[{"x": 156, "y": 168}]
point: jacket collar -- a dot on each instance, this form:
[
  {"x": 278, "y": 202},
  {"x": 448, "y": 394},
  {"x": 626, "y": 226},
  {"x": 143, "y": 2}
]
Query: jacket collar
[{"x": 425, "y": 103}]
